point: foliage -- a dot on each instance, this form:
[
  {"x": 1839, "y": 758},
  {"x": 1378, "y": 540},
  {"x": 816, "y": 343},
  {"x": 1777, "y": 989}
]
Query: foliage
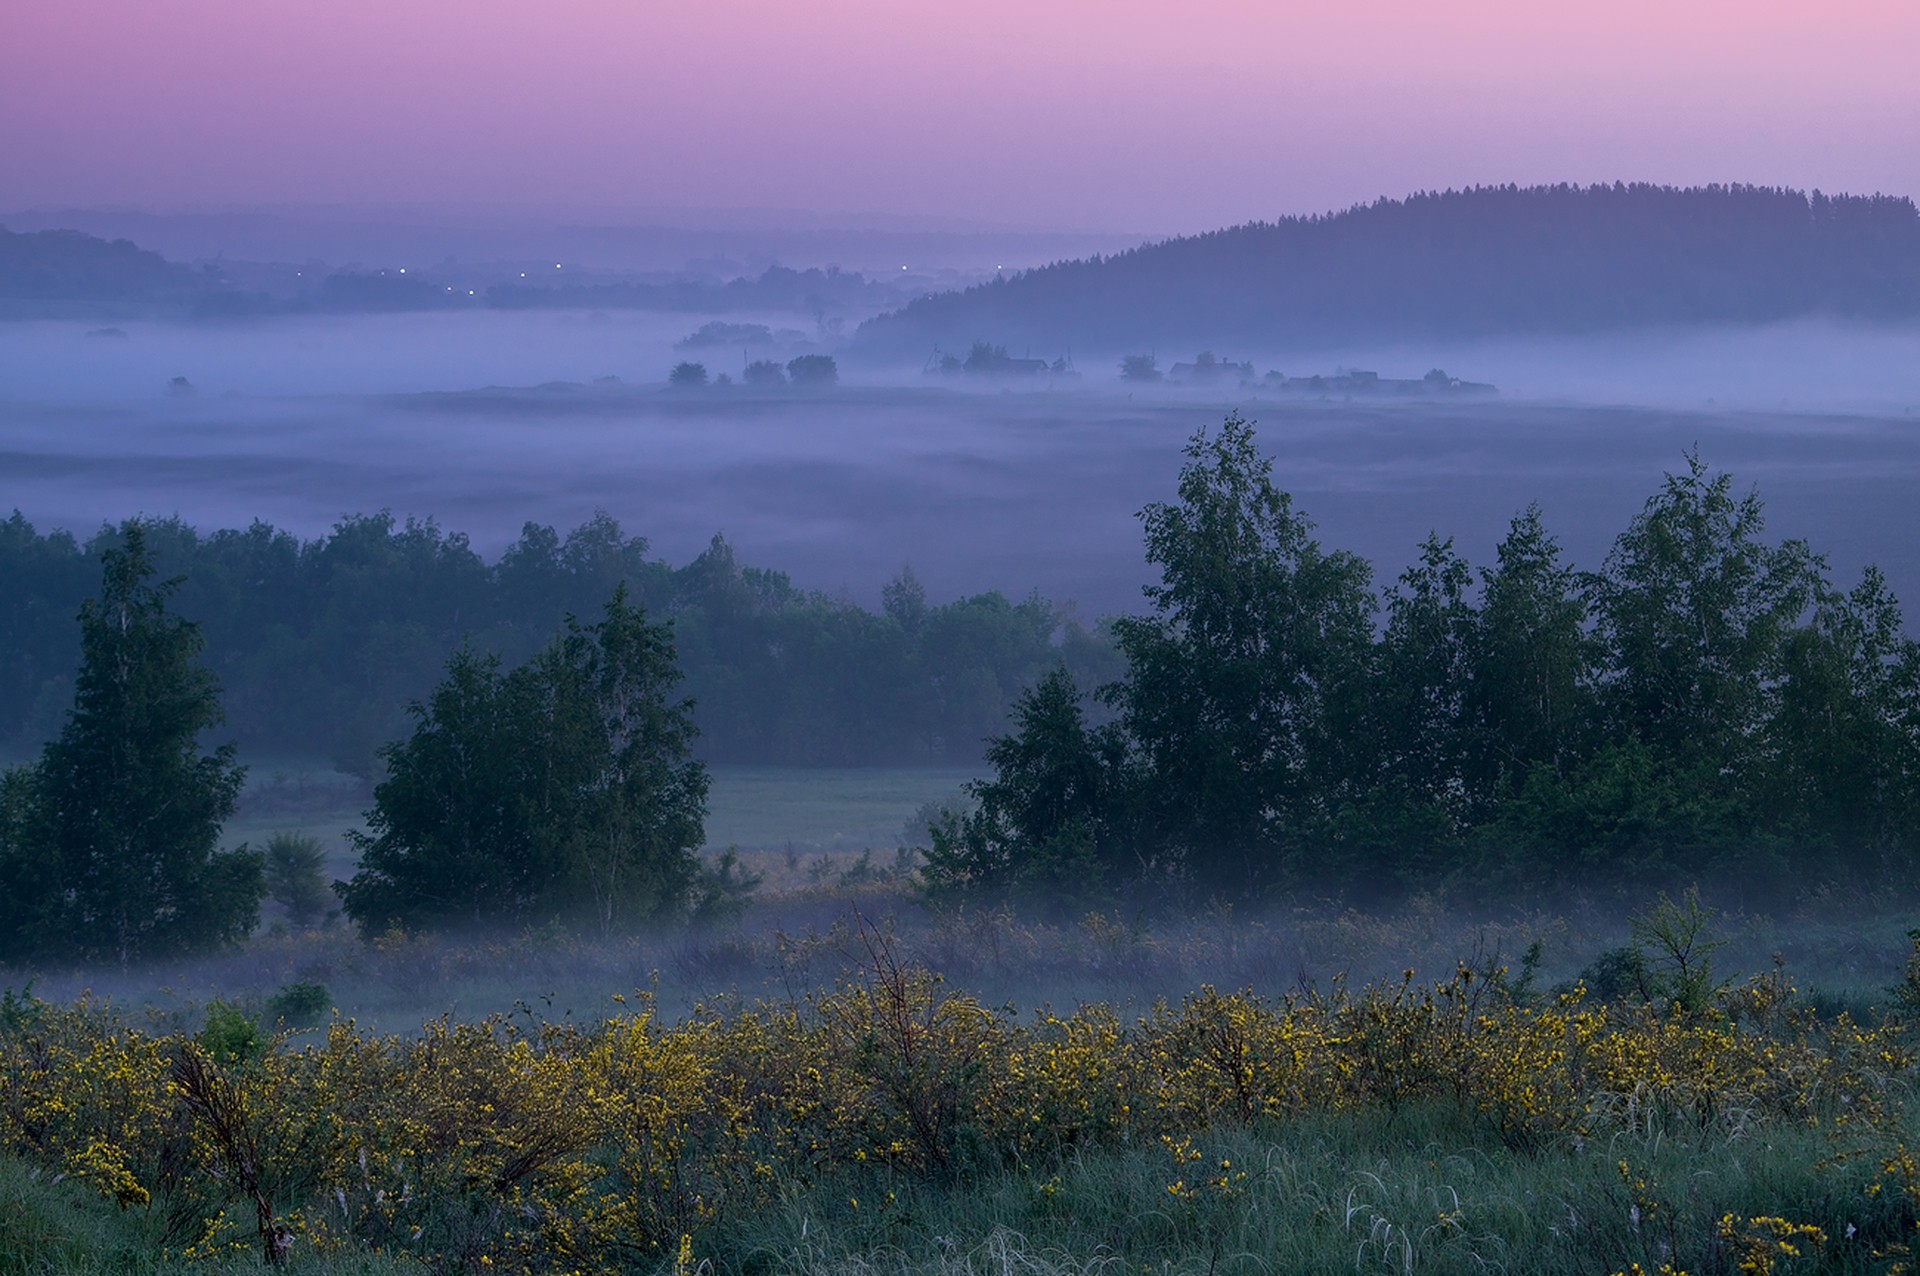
[
  {"x": 764, "y": 373},
  {"x": 300, "y": 1004},
  {"x": 230, "y": 1035},
  {"x": 687, "y": 376},
  {"x": 564, "y": 787},
  {"x": 880, "y": 1107},
  {"x": 1046, "y": 827},
  {"x": 295, "y": 865},
  {"x": 108, "y": 845},
  {"x": 1236, "y": 685},
  {"x": 320, "y": 645},
  {"x": 1706, "y": 704},
  {"x": 813, "y": 370}
]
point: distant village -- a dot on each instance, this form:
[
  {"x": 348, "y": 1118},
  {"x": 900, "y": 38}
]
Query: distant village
[{"x": 1206, "y": 370}]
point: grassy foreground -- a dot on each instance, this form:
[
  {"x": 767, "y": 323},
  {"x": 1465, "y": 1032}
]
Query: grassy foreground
[{"x": 894, "y": 1124}]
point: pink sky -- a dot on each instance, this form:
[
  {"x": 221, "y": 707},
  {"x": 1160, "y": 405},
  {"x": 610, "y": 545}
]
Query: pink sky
[{"x": 1106, "y": 114}]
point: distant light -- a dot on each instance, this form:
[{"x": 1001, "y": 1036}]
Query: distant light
[
  {"x": 469, "y": 292},
  {"x": 523, "y": 274},
  {"x": 403, "y": 270},
  {"x": 903, "y": 267},
  {"x": 556, "y": 265}
]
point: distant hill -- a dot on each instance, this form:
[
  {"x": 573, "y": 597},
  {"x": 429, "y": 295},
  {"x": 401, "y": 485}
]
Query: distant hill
[
  {"x": 1485, "y": 261},
  {"x": 56, "y": 266}
]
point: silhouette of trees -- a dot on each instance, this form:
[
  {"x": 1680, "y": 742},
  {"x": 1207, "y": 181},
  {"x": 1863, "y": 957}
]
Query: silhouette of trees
[
  {"x": 110, "y": 842},
  {"x": 1484, "y": 260},
  {"x": 1704, "y": 704}
]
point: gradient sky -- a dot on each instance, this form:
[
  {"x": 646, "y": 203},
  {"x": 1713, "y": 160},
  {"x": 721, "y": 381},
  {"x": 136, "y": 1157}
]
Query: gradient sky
[{"x": 1090, "y": 114}]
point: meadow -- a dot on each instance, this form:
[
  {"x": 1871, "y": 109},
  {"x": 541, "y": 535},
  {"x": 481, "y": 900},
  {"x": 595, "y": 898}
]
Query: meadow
[
  {"x": 882, "y": 1116},
  {"x": 845, "y": 1078}
]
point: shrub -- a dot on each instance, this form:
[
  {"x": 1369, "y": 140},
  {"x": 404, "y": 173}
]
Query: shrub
[
  {"x": 301, "y": 1004},
  {"x": 230, "y": 1035}
]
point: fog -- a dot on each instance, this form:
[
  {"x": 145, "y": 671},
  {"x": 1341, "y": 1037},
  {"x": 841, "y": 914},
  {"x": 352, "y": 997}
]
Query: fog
[{"x": 978, "y": 483}]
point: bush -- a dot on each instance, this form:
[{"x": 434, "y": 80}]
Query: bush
[
  {"x": 688, "y": 376},
  {"x": 230, "y": 1035},
  {"x": 300, "y": 1005}
]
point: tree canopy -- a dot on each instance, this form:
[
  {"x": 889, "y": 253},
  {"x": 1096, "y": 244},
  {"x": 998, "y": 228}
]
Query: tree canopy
[
  {"x": 1706, "y": 704},
  {"x": 563, "y": 788},
  {"x": 109, "y": 844}
]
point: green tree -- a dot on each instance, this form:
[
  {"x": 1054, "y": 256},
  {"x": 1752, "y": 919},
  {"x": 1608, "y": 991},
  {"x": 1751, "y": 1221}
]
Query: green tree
[
  {"x": 1695, "y": 610},
  {"x": 449, "y": 839},
  {"x": 1047, "y": 827},
  {"x": 296, "y": 876},
  {"x": 1845, "y": 742},
  {"x": 122, "y": 813},
  {"x": 1530, "y": 695},
  {"x": 563, "y": 788},
  {"x": 640, "y": 805},
  {"x": 1424, "y": 665},
  {"x": 1398, "y": 825},
  {"x": 1244, "y": 688}
]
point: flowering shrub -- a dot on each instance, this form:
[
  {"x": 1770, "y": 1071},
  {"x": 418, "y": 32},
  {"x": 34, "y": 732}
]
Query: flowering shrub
[{"x": 584, "y": 1147}]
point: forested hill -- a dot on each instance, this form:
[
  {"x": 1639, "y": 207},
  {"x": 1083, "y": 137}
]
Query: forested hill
[
  {"x": 68, "y": 266},
  {"x": 1490, "y": 260}
]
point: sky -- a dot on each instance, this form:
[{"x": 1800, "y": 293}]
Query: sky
[{"x": 1111, "y": 115}]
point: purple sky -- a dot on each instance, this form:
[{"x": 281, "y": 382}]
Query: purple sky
[{"x": 1104, "y": 114}]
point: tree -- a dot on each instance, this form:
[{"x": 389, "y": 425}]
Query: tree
[
  {"x": 904, "y": 599},
  {"x": 1424, "y": 665},
  {"x": 1244, "y": 688},
  {"x": 296, "y": 876},
  {"x": 122, "y": 814},
  {"x": 1695, "y": 611},
  {"x": 763, "y": 373},
  {"x": 564, "y": 788},
  {"x": 1530, "y": 697},
  {"x": 1139, "y": 367},
  {"x": 813, "y": 369},
  {"x": 641, "y": 809},
  {"x": 687, "y": 376},
  {"x": 1047, "y": 824},
  {"x": 1844, "y": 766}
]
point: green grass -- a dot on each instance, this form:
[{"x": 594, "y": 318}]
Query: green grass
[
  {"x": 823, "y": 809},
  {"x": 1419, "y": 1191},
  {"x": 1424, "y": 1190},
  {"x": 756, "y": 808}
]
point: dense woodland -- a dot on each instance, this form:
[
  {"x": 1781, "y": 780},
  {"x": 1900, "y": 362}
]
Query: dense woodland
[
  {"x": 320, "y": 645},
  {"x": 1488, "y": 260}
]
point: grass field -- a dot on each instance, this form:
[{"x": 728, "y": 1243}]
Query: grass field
[{"x": 786, "y": 821}]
